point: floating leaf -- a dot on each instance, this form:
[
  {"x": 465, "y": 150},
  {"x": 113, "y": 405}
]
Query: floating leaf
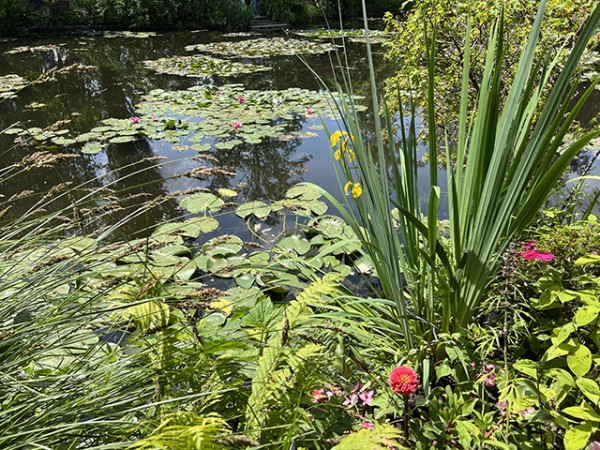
[
  {"x": 202, "y": 202},
  {"x": 294, "y": 242},
  {"x": 259, "y": 209},
  {"x": 92, "y": 148}
]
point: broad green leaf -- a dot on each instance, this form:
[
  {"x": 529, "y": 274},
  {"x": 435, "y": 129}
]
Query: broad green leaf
[
  {"x": 294, "y": 242},
  {"x": 590, "y": 389},
  {"x": 202, "y": 202},
  {"x": 583, "y": 412},
  {"x": 586, "y": 315},
  {"x": 588, "y": 259},
  {"x": 527, "y": 367},
  {"x": 580, "y": 360},
  {"x": 259, "y": 209},
  {"x": 576, "y": 438}
]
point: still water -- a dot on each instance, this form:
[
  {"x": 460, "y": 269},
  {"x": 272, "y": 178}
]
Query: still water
[{"x": 95, "y": 78}]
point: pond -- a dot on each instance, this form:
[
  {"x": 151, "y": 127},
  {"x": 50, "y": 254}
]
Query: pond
[{"x": 117, "y": 110}]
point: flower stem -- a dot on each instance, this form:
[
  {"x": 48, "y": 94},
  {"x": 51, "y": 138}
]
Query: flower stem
[{"x": 406, "y": 420}]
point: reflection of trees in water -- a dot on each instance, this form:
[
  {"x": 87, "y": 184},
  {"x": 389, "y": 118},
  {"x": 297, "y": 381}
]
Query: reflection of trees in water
[{"x": 264, "y": 171}]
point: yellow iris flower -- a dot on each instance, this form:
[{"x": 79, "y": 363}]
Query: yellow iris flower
[
  {"x": 335, "y": 139},
  {"x": 356, "y": 190}
]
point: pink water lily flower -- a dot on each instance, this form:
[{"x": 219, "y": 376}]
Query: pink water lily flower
[
  {"x": 154, "y": 118},
  {"x": 235, "y": 124},
  {"x": 134, "y": 119},
  {"x": 241, "y": 99},
  {"x": 309, "y": 111},
  {"x": 219, "y": 92}
]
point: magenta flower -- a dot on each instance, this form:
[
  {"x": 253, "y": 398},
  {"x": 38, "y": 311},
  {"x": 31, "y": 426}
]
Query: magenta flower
[
  {"x": 235, "y": 124},
  {"x": 367, "y": 425},
  {"x": 154, "y": 118},
  {"x": 134, "y": 119},
  {"x": 219, "y": 92},
  {"x": 490, "y": 380},
  {"x": 596, "y": 444},
  {"x": 367, "y": 397},
  {"x": 241, "y": 99},
  {"x": 403, "y": 380},
  {"x": 309, "y": 111},
  {"x": 534, "y": 254},
  {"x": 489, "y": 367}
]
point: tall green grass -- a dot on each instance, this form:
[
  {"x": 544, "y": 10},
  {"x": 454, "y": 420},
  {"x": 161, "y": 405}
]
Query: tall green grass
[{"x": 507, "y": 156}]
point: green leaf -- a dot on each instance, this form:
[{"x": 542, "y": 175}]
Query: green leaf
[
  {"x": 590, "y": 389},
  {"x": 588, "y": 259},
  {"x": 584, "y": 412},
  {"x": 294, "y": 242},
  {"x": 576, "y": 438},
  {"x": 580, "y": 360},
  {"x": 527, "y": 367},
  {"x": 259, "y": 209},
  {"x": 586, "y": 315},
  {"x": 202, "y": 202}
]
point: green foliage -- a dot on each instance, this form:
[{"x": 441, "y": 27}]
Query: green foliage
[
  {"x": 222, "y": 14},
  {"x": 507, "y": 164},
  {"x": 450, "y": 19}
]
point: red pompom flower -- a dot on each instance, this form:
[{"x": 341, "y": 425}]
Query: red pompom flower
[{"x": 403, "y": 380}]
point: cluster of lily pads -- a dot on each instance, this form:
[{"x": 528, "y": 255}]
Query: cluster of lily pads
[
  {"x": 230, "y": 113},
  {"x": 37, "y": 48},
  {"x": 263, "y": 47},
  {"x": 10, "y": 84},
  {"x": 129, "y": 34},
  {"x": 201, "y": 66},
  {"x": 355, "y": 35},
  {"x": 325, "y": 240}
]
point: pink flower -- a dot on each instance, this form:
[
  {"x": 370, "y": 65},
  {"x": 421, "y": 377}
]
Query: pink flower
[
  {"x": 235, "y": 124},
  {"x": 534, "y": 254},
  {"x": 367, "y": 397},
  {"x": 241, "y": 99},
  {"x": 318, "y": 396},
  {"x": 351, "y": 400},
  {"x": 490, "y": 380},
  {"x": 134, "y": 119},
  {"x": 367, "y": 425},
  {"x": 309, "y": 111},
  {"x": 403, "y": 380},
  {"x": 489, "y": 367},
  {"x": 219, "y": 92},
  {"x": 527, "y": 411},
  {"x": 154, "y": 118},
  {"x": 594, "y": 445},
  {"x": 502, "y": 406}
]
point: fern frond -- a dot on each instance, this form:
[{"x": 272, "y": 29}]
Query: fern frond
[
  {"x": 312, "y": 295},
  {"x": 382, "y": 437},
  {"x": 189, "y": 432}
]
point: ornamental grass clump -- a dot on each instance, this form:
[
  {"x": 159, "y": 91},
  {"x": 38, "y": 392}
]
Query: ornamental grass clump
[{"x": 502, "y": 162}]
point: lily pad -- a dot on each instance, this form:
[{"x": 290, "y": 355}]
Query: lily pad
[
  {"x": 294, "y": 242},
  {"x": 259, "y": 209},
  {"x": 10, "y": 84},
  {"x": 202, "y": 202}
]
